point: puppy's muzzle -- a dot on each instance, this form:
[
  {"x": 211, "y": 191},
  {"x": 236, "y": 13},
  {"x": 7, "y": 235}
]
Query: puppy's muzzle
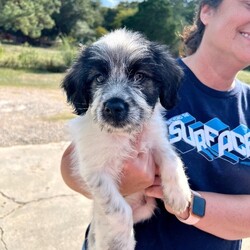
[{"x": 115, "y": 112}]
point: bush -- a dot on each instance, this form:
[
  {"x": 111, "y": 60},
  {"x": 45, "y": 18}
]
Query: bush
[
  {"x": 1, "y": 50},
  {"x": 28, "y": 59},
  {"x": 23, "y": 57},
  {"x": 67, "y": 51}
]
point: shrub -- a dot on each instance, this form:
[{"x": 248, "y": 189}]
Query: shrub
[
  {"x": 1, "y": 50},
  {"x": 26, "y": 57},
  {"x": 68, "y": 52}
]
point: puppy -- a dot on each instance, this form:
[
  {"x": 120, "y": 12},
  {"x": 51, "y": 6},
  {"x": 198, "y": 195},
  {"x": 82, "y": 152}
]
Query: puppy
[{"x": 117, "y": 87}]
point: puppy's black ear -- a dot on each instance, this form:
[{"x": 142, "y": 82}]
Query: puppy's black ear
[
  {"x": 170, "y": 75},
  {"x": 76, "y": 87}
]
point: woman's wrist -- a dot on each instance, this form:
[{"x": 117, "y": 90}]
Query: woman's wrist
[
  {"x": 183, "y": 215},
  {"x": 195, "y": 211}
]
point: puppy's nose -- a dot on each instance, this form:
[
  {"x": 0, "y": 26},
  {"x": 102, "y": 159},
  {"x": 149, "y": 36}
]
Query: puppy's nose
[{"x": 116, "y": 108}]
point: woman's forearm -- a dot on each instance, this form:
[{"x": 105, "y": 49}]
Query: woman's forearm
[
  {"x": 68, "y": 176},
  {"x": 227, "y": 216}
]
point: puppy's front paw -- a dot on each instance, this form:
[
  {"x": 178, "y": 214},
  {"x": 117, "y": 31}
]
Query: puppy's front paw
[{"x": 178, "y": 198}]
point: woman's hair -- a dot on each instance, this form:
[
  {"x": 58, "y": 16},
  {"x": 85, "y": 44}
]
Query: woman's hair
[{"x": 192, "y": 35}]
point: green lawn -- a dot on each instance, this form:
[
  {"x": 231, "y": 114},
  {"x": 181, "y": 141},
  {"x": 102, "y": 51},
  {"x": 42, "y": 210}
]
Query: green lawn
[
  {"x": 32, "y": 67},
  {"x": 24, "y": 78},
  {"x": 244, "y": 76}
]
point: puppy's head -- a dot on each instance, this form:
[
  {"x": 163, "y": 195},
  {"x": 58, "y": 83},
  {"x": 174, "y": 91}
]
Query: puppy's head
[{"x": 120, "y": 78}]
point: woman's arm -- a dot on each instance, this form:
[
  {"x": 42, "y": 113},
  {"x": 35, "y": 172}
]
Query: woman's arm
[
  {"x": 67, "y": 173},
  {"x": 137, "y": 174},
  {"x": 227, "y": 216}
]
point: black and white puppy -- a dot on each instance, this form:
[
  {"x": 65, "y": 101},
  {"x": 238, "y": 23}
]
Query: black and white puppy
[{"x": 116, "y": 87}]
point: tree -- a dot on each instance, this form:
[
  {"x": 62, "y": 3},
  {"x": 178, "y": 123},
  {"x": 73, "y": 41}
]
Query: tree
[
  {"x": 155, "y": 19},
  {"x": 124, "y": 11},
  {"x": 78, "y": 19},
  {"x": 113, "y": 17},
  {"x": 184, "y": 11},
  {"x": 28, "y": 16}
]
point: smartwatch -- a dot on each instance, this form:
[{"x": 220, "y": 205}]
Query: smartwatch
[{"x": 197, "y": 208}]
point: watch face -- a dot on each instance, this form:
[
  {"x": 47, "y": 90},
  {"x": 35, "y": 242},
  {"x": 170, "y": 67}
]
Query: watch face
[{"x": 198, "y": 206}]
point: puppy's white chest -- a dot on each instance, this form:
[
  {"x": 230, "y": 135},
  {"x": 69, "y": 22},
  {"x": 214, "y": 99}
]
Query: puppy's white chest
[{"x": 97, "y": 147}]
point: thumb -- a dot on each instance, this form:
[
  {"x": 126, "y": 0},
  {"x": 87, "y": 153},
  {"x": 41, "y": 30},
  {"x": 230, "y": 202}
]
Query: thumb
[{"x": 154, "y": 191}]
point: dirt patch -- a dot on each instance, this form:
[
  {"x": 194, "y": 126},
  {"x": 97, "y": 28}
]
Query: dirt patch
[{"x": 32, "y": 116}]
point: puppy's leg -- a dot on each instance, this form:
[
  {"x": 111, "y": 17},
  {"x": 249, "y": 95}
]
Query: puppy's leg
[
  {"x": 112, "y": 215},
  {"x": 177, "y": 192},
  {"x": 175, "y": 185}
]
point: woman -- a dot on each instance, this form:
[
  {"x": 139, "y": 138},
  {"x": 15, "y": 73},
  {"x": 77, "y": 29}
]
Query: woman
[{"x": 210, "y": 129}]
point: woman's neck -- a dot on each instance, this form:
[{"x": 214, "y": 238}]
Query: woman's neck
[{"x": 215, "y": 72}]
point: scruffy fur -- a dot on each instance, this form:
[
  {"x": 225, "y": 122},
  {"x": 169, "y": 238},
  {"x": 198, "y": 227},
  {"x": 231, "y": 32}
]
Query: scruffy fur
[{"x": 117, "y": 87}]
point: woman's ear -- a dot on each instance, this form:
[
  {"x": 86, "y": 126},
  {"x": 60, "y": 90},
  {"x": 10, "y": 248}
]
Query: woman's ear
[{"x": 206, "y": 13}]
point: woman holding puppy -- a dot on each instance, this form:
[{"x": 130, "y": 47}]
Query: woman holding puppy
[{"x": 210, "y": 127}]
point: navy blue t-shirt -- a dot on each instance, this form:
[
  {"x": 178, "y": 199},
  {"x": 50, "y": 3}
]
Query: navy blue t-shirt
[{"x": 211, "y": 131}]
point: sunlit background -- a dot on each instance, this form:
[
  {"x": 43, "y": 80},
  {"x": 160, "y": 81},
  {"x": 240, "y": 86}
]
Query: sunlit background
[{"x": 39, "y": 40}]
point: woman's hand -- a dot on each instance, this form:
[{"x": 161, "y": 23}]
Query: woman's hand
[{"x": 137, "y": 174}]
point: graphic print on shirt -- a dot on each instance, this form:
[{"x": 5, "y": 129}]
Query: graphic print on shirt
[{"x": 213, "y": 139}]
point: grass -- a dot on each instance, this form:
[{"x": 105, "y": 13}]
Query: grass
[
  {"x": 42, "y": 59},
  {"x": 244, "y": 76},
  {"x": 26, "y": 66},
  {"x": 25, "y": 78},
  {"x": 46, "y": 80}
]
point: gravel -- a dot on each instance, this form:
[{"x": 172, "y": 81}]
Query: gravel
[{"x": 32, "y": 116}]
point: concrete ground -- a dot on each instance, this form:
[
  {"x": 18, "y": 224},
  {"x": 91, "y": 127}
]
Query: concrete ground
[{"x": 37, "y": 210}]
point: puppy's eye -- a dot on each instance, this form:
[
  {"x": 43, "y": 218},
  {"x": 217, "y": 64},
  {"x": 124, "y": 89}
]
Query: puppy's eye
[
  {"x": 100, "y": 78},
  {"x": 138, "y": 77}
]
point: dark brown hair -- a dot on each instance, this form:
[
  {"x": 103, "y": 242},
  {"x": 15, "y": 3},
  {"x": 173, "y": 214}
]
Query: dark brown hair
[{"x": 192, "y": 35}]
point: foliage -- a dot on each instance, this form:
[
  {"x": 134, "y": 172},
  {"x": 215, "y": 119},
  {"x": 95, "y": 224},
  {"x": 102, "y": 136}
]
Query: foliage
[
  {"x": 183, "y": 11},
  {"x": 155, "y": 19},
  {"x": 67, "y": 51},
  {"x": 20, "y": 58},
  {"x": 1, "y": 50},
  {"x": 25, "y": 57},
  {"x": 28, "y": 16},
  {"x": 78, "y": 19},
  {"x": 100, "y": 31},
  {"x": 42, "y": 22},
  {"x": 122, "y": 15},
  {"x": 113, "y": 18}
]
